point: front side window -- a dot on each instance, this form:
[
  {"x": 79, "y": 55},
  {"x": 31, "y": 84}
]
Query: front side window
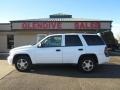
[
  {"x": 72, "y": 40},
  {"x": 52, "y": 41}
]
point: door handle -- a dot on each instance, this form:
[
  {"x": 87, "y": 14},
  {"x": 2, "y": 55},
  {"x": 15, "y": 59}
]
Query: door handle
[
  {"x": 58, "y": 50},
  {"x": 80, "y": 49}
]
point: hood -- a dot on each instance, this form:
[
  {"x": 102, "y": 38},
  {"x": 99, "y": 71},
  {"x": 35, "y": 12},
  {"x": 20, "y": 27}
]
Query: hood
[{"x": 21, "y": 48}]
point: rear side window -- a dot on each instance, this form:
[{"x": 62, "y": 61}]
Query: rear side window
[
  {"x": 72, "y": 40},
  {"x": 93, "y": 40}
]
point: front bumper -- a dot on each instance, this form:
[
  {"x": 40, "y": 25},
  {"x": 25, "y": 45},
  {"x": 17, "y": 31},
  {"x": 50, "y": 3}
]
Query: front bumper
[{"x": 10, "y": 59}]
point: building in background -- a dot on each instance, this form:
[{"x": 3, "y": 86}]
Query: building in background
[{"x": 24, "y": 32}]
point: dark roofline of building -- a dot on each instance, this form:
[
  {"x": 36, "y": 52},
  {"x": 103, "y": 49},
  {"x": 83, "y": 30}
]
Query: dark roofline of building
[
  {"x": 4, "y": 23},
  {"x": 60, "y": 20}
]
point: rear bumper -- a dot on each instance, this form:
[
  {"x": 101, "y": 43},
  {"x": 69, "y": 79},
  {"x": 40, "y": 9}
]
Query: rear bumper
[{"x": 107, "y": 59}]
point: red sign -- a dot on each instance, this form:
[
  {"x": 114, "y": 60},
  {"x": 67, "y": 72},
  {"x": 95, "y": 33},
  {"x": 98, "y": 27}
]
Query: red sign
[
  {"x": 87, "y": 25},
  {"x": 60, "y": 25},
  {"x": 41, "y": 25}
]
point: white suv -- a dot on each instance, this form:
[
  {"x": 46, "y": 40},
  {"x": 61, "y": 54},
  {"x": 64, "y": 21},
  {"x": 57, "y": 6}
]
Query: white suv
[{"x": 84, "y": 50}]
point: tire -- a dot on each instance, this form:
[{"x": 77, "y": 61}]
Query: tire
[
  {"x": 23, "y": 63},
  {"x": 87, "y": 64}
]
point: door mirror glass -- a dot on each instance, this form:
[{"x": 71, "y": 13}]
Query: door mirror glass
[{"x": 39, "y": 45}]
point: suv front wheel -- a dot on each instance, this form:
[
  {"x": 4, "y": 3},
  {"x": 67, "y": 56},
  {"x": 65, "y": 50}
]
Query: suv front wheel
[
  {"x": 87, "y": 64},
  {"x": 23, "y": 63}
]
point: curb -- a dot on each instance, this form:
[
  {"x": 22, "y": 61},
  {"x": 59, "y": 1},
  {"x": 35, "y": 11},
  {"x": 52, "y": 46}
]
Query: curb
[
  {"x": 5, "y": 68},
  {"x": 6, "y": 74}
]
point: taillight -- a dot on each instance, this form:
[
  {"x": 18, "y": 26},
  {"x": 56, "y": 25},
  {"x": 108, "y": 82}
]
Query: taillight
[{"x": 106, "y": 51}]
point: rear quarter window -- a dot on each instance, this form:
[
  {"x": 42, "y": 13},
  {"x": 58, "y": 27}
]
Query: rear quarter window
[{"x": 93, "y": 40}]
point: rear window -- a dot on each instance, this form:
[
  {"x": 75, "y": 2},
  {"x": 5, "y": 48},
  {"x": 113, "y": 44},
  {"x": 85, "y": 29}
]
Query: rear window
[{"x": 93, "y": 40}]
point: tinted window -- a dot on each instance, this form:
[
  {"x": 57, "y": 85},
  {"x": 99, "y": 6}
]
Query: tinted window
[
  {"x": 93, "y": 40},
  {"x": 72, "y": 40},
  {"x": 53, "y": 41}
]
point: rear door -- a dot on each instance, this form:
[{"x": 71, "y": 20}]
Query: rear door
[{"x": 73, "y": 48}]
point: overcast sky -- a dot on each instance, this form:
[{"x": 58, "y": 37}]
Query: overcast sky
[{"x": 33, "y": 9}]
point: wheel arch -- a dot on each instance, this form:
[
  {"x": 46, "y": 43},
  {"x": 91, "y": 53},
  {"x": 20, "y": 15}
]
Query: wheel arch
[
  {"x": 89, "y": 55},
  {"x": 21, "y": 55}
]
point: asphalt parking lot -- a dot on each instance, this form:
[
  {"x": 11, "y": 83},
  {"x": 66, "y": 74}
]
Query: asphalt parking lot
[{"x": 61, "y": 77}]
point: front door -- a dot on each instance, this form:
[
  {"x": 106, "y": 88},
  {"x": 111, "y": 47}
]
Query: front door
[{"x": 50, "y": 50}]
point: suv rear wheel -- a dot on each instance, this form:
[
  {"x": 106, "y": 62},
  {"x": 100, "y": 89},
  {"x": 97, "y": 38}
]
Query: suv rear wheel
[
  {"x": 23, "y": 63},
  {"x": 87, "y": 64}
]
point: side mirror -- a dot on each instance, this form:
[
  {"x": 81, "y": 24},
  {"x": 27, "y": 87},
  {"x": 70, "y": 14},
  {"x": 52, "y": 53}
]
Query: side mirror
[{"x": 39, "y": 45}]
